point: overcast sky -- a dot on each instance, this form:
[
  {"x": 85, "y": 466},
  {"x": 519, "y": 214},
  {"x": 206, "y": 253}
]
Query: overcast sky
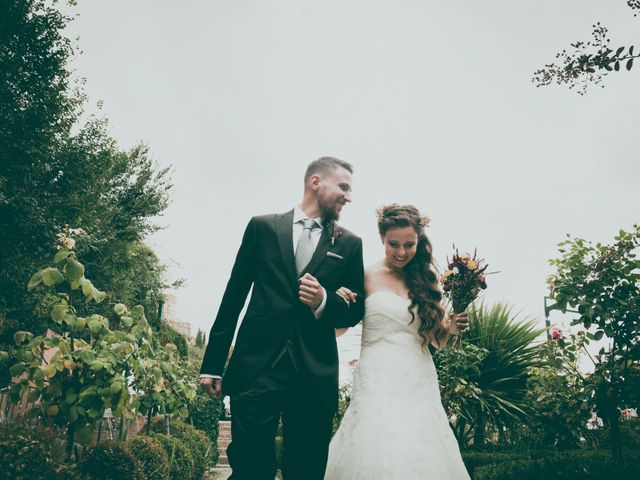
[{"x": 431, "y": 101}]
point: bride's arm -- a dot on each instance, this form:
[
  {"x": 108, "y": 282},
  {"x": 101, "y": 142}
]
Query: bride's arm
[{"x": 451, "y": 324}]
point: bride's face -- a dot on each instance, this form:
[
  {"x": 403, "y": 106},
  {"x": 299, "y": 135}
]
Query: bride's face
[{"x": 400, "y": 246}]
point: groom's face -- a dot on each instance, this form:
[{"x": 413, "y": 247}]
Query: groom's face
[{"x": 334, "y": 192}]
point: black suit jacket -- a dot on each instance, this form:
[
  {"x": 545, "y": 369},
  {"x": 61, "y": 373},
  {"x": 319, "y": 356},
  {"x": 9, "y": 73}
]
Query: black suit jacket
[{"x": 275, "y": 318}]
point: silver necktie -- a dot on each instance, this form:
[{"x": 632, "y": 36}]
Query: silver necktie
[{"x": 305, "y": 247}]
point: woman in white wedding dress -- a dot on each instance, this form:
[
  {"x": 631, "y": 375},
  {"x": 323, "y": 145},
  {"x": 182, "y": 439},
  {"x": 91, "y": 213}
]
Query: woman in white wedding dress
[{"x": 395, "y": 426}]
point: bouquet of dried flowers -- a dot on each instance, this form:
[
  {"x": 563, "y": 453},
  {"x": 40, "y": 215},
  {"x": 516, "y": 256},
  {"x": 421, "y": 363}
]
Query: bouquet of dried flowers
[{"x": 463, "y": 280}]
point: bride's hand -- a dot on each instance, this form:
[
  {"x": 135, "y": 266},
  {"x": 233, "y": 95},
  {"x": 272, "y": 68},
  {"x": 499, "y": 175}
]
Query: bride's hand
[
  {"x": 347, "y": 295},
  {"x": 457, "y": 323}
]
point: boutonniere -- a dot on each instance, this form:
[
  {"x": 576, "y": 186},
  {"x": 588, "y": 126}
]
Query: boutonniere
[{"x": 334, "y": 231}]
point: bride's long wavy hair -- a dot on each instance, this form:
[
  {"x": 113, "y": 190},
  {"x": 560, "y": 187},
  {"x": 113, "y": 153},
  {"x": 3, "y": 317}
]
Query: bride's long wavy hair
[{"x": 419, "y": 274}]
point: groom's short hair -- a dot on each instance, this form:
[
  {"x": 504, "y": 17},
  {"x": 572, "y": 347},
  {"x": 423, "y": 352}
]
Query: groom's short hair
[{"x": 326, "y": 165}]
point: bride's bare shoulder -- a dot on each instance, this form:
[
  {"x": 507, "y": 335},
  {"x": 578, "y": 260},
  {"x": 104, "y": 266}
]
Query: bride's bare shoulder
[{"x": 372, "y": 274}]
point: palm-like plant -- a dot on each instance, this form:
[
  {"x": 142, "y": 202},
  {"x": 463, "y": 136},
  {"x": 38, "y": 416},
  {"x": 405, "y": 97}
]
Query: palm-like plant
[{"x": 495, "y": 389}]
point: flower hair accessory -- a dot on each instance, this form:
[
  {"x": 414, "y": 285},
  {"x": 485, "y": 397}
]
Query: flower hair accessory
[{"x": 423, "y": 221}]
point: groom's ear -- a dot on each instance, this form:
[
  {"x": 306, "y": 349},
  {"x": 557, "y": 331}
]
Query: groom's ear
[{"x": 314, "y": 182}]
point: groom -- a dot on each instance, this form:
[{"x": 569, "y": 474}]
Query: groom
[{"x": 285, "y": 359}]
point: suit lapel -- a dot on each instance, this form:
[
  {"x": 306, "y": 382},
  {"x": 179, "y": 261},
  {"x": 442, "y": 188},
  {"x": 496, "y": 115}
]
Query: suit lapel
[
  {"x": 284, "y": 231},
  {"x": 320, "y": 253}
]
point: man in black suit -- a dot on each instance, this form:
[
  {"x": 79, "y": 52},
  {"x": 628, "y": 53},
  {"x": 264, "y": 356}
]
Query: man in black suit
[{"x": 285, "y": 359}]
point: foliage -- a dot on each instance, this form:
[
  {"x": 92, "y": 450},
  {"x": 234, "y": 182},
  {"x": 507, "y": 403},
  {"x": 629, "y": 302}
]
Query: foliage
[
  {"x": 571, "y": 465},
  {"x": 588, "y": 62},
  {"x": 55, "y": 171},
  {"x": 196, "y": 441},
  {"x": 489, "y": 387},
  {"x": 151, "y": 456},
  {"x": 181, "y": 466},
  {"x": 166, "y": 334},
  {"x": 559, "y": 393},
  {"x": 111, "y": 461},
  {"x": 96, "y": 360},
  {"x": 603, "y": 283},
  {"x": 344, "y": 399},
  {"x": 200, "y": 339},
  {"x": 28, "y": 451},
  {"x": 204, "y": 411}
]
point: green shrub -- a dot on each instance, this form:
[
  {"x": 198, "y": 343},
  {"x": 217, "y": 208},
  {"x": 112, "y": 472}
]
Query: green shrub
[
  {"x": 111, "y": 461},
  {"x": 30, "y": 451},
  {"x": 166, "y": 334},
  {"x": 23, "y": 458},
  {"x": 205, "y": 413},
  {"x": 152, "y": 457},
  {"x": 568, "y": 465},
  {"x": 181, "y": 465},
  {"x": 197, "y": 442},
  {"x": 473, "y": 460}
]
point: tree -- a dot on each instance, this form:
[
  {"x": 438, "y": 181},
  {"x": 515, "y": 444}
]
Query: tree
[
  {"x": 51, "y": 176},
  {"x": 602, "y": 282},
  {"x": 588, "y": 62},
  {"x": 199, "y": 339},
  {"x": 97, "y": 361}
]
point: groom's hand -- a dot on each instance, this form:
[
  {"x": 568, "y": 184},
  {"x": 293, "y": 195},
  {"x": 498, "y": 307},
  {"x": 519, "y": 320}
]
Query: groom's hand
[
  {"x": 311, "y": 292},
  {"x": 213, "y": 386}
]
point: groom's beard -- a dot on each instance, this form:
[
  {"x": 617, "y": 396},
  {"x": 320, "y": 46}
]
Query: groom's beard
[{"x": 330, "y": 213}]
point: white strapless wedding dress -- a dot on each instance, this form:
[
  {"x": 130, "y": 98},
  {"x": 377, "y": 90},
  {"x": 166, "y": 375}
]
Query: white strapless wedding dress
[{"x": 395, "y": 426}]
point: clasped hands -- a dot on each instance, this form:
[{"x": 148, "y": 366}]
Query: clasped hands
[{"x": 310, "y": 292}]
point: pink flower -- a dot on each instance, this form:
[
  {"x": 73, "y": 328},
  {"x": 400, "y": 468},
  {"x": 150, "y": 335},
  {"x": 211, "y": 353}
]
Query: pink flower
[
  {"x": 353, "y": 363},
  {"x": 556, "y": 333}
]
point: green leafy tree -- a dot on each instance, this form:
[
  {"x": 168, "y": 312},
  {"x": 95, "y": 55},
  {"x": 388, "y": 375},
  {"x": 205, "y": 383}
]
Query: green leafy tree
[
  {"x": 559, "y": 393},
  {"x": 99, "y": 362},
  {"x": 603, "y": 283},
  {"x": 54, "y": 171},
  {"x": 587, "y": 63},
  {"x": 199, "y": 339}
]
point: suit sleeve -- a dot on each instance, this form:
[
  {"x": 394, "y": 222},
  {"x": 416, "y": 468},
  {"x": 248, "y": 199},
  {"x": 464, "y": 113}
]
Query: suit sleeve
[
  {"x": 337, "y": 311},
  {"x": 238, "y": 286}
]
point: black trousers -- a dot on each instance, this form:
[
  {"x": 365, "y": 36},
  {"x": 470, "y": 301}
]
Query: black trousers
[{"x": 255, "y": 413}]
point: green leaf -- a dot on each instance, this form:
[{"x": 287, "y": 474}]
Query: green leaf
[
  {"x": 86, "y": 287},
  {"x": 52, "y": 276},
  {"x": 61, "y": 256},
  {"x": 619, "y": 51},
  {"x": 115, "y": 388},
  {"x": 85, "y": 435},
  {"x": 629, "y": 64},
  {"x": 21, "y": 336},
  {"x": 48, "y": 370},
  {"x": 120, "y": 309},
  {"x": 4, "y": 356},
  {"x": 616, "y": 66},
  {"x": 81, "y": 323},
  {"x": 35, "y": 280},
  {"x": 59, "y": 311},
  {"x": 17, "y": 369},
  {"x": 95, "y": 325},
  {"x": 74, "y": 269},
  {"x": 598, "y": 335}
]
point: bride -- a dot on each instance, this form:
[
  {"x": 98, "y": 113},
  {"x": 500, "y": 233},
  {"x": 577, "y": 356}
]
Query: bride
[{"x": 395, "y": 426}]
